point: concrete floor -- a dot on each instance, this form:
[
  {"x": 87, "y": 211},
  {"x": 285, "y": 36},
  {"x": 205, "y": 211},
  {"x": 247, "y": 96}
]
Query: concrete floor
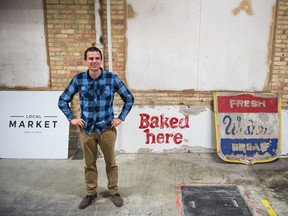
[{"x": 149, "y": 183}]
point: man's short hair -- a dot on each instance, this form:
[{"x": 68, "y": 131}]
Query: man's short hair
[{"x": 92, "y": 49}]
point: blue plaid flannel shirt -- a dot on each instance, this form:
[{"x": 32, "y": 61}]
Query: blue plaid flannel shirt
[{"x": 96, "y": 99}]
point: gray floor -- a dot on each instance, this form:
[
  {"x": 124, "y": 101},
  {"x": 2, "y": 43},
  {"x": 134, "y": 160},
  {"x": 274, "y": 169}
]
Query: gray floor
[{"x": 149, "y": 183}]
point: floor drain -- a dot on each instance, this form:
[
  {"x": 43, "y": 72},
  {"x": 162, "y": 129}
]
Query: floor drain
[{"x": 213, "y": 201}]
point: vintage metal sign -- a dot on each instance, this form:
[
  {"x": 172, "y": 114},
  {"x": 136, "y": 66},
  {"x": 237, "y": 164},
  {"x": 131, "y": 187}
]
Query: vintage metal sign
[{"x": 248, "y": 127}]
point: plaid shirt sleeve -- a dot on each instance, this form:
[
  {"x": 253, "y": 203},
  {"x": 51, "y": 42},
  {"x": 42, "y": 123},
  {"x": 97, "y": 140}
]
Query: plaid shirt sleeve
[
  {"x": 126, "y": 96},
  {"x": 66, "y": 97}
]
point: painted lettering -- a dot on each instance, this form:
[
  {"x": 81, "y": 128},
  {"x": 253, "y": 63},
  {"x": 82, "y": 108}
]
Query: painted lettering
[
  {"x": 162, "y": 138},
  {"x": 162, "y": 122},
  {"x": 148, "y": 122},
  {"x": 244, "y": 147},
  {"x": 144, "y": 120},
  {"x": 173, "y": 122},
  {"x": 247, "y": 103},
  {"x": 184, "y": 122},
  {"x": 249, "y": 127},
  {"x": 178, "y": 137},
  {"x": 154, "y": 123}
]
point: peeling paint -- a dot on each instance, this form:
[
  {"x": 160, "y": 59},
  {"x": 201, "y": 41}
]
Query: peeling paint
[
  {"x": 131, "y": 14},
  {"x": 189, "y": 149},
  {"x": 145, "y": 150},
  {"x": 182, "y": 149},
  {"x": 246, "y": 6},
  {"x": 187, "y": 110},
  {"x": 270, "y": 48},
  {"x": 255, "y": 134}
]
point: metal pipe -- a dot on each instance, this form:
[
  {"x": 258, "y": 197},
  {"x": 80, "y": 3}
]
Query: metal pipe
[
  {"x": 109, "y": 35},
  {"x": 98, "y": 26}
]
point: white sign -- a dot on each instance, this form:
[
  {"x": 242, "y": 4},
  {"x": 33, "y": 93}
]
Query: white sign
[{"x": 32, "y": 126}]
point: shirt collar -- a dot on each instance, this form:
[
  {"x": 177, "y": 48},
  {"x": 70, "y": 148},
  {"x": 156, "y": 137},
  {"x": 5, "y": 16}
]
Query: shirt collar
[{"x": 100, "y": 77}]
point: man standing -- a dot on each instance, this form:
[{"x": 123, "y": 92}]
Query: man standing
[{"x": 96, "y": 88}]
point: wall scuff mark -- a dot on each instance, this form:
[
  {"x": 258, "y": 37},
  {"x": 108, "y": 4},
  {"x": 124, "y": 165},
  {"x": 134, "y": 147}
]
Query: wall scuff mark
[
  {"x": 130, "y": 12},
  {"x": 244, "y": 5},
  {"x": 186, "y": 110}
]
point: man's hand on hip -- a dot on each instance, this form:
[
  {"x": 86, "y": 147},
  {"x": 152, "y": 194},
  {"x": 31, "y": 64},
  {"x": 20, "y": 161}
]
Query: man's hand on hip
[
  {"x": 115, "y": 122},
  {"x": 78, "y": 122}
]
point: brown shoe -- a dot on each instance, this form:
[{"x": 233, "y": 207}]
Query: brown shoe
[
  {"x": 117, "y": 200},
  {"x": 87, "y": 201}
]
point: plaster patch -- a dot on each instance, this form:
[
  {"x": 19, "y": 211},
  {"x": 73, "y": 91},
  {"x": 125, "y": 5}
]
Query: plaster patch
[{"x": 195, "y": 110}]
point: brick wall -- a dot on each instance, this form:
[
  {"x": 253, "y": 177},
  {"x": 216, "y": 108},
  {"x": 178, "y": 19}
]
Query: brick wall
[
  {"x": 279, "y": 80},
  {"x": 71, "y": 29},
  {"x": 70, "y": 26}
]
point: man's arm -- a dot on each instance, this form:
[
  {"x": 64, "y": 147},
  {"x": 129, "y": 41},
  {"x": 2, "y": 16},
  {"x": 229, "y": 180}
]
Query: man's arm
[
  {"x": 66, "y": 97},
  {"x": 126, "y": 96}
]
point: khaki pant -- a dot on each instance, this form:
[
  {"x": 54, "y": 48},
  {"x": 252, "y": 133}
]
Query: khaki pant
[{"x": 106, "y": 141}]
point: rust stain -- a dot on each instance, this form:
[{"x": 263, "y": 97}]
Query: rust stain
[
  {"x": 268, "y": 82},
  {"x": 130, "y": 12},
  {"x": 245, "y": 5}
]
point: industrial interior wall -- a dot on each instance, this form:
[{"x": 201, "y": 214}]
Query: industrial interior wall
[
  {"x": 206, "y": 45},
  {"x": 70, "y": 29},
  {"x": 272, "y": 77},
  {"x": 275, "y": 68},
  {"x": 23, "y": 56}
]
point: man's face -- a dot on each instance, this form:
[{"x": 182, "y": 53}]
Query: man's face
[{"x": 93, "y": 61}]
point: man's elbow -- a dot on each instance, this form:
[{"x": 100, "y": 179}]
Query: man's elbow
[
  {"x": 132, "y": 99},
  {"x": 61, "y": 103}
]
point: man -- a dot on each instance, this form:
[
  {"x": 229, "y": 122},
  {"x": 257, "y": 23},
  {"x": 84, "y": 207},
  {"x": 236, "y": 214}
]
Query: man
[{"x": 96, "y": 88}]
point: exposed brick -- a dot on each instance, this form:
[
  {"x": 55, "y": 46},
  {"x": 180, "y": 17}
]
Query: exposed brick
[
  {"x": 52, "y": 2},
  {"x": 279, "y": 80},
  {"x": 70, "y": 26}
]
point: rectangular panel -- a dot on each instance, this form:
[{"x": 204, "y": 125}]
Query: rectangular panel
[
  {"x": 198, "y": 44},
  {"x": 213, "y": 200},
  {"x": 23, "y": 56},
  {"x": 32, "y": 126}
]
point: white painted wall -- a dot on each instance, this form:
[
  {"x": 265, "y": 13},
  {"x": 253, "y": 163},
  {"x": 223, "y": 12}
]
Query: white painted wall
[
  {"x": 199, "y": 137},
  {"x": 23, "y": 55},
  {"x": 198, "y": 44}
]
